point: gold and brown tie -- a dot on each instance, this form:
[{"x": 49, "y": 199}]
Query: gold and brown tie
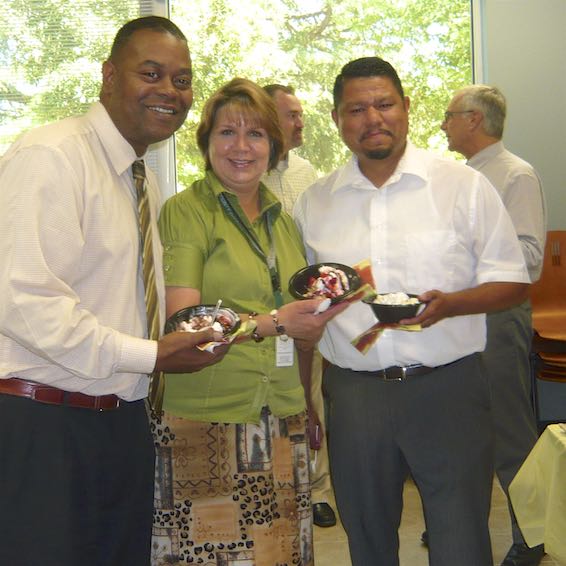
[{"x": 156, "y": 383}]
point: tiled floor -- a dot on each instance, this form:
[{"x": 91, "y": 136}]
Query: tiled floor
[{"x": 331, "y": 547}]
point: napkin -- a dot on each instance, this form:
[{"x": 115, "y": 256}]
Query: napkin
[
  {"x": 246, "y": 328},
  {"x": 367, "y": 339}
]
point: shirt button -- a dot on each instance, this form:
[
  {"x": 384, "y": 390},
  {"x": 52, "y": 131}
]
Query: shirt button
[
  {"x": 167, "y": 268},
  {"x": 264, "y": 378},
  {"x": 167, "y": 248}
]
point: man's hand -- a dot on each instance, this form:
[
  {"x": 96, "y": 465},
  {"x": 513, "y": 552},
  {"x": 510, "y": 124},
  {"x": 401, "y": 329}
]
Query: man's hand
[
  {"x": 177, "y": 351},
  {"x": 437, "y": 306},
  {"x": 487, "y": 297}
]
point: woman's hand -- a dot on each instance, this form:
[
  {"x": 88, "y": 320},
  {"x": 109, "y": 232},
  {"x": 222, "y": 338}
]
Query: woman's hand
[
  {"x": 314, "y": 430},
  {"x": 301, "y": 321}
]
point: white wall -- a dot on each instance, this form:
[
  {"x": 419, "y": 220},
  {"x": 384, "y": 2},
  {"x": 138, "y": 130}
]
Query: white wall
[{"x": 524, "y": 54}]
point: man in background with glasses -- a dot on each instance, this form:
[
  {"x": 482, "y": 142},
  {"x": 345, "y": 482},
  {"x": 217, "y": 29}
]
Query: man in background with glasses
[{"x": 474, "y": 125}]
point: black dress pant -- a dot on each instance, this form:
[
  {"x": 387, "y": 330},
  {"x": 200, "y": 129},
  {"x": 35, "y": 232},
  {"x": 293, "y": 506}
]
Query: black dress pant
[{"x": 76, "y": 485}]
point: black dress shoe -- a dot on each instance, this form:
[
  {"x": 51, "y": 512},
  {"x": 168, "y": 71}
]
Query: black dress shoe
[
  {"x": 323, "y": 515},
  {"x": 424, "y": 538},
  {"x": 522, "y": 555}
]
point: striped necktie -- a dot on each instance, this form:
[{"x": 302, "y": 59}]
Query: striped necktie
[{"x": 156, "y": 383}]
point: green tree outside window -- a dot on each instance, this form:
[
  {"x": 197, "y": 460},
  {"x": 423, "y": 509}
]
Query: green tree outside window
[{"x": 51, "y": 50}]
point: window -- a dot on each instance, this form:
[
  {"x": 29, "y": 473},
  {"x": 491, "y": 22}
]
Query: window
[
  {"x": 50, "y": 57},
  {"x": 51, "y": 51},
  {"x": 50, "y": 62},
  {"x": 305, "y": 44}
]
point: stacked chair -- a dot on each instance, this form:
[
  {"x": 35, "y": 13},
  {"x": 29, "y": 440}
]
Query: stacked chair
[{"x": 548, "y": 298}]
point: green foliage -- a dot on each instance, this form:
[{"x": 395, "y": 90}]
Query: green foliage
[
  {"x": 50, "y": 56},
  {"x": 304, "y": 44}
]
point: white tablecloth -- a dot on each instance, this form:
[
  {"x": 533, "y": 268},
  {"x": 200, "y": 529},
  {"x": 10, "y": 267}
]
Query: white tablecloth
[{"x": 538, "y": 493}]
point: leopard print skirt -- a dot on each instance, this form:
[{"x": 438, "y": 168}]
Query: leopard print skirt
[{"x": 232, "y": 494}]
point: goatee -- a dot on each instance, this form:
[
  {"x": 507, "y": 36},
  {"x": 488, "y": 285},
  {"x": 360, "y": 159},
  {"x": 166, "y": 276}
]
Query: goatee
[{"x": 379, "y": 153}]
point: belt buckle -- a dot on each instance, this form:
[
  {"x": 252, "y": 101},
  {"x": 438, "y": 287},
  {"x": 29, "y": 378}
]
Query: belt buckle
[
  {"x": 99, "y": 402},
  {"x": 386, "y": 377}
]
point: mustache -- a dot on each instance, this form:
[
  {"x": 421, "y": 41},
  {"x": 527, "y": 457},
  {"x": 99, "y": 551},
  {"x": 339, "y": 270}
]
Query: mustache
[{"x": 372, "y": 132}]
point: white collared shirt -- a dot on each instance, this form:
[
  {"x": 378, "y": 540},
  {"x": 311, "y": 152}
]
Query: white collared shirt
[
  {"x": 435, "y": 224},
  {"x": 520, "y": 189},
  {"x": 289, "y": 179},
  {"x": 72, "y": 311}
]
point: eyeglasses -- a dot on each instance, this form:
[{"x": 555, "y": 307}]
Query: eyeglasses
[{"x": 448, "y": 114}]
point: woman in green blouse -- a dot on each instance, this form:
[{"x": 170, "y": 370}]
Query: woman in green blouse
[{"x": 232, "y": 477}]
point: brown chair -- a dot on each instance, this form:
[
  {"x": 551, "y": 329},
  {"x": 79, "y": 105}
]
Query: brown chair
[
  {"x": 548, "y": 294},
  {"x": 547, "y": 368},
  {"x": 551, "y": 375},
  {"x": 548, "y": 300},
  {"x": 553, "y": 359}
]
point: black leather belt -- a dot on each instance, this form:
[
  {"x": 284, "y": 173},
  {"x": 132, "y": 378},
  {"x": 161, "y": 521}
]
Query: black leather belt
[
  {"x": 53, "y": 396},
  {"x": 397, "y": 373}
]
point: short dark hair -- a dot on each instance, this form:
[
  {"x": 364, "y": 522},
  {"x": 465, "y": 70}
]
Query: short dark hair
[
  {"x": 248, "y": 98},
  {"x": 156, "y": 23},
  {"x": 365, "y": 67},
  {"x": 274, "y": 88}
]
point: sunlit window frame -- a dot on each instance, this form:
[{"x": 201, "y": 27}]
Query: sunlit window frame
[{"x": 161, "y": 157}]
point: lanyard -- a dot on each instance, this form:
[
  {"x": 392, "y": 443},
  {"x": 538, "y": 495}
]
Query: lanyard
[{"x": 271, "y": 258}]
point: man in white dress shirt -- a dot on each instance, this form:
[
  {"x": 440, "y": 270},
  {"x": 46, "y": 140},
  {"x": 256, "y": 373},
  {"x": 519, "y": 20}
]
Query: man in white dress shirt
[
  {"x": 416, "y": 402},
  {"x": 287, "y": 181},
  {"x": 474, "y": 124},
  {"x": 76, "y": 452}
]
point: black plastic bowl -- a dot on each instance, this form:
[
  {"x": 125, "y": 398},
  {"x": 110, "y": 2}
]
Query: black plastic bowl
[
  {"x": 187, "y": 313},
  {"x": 298, "y": 284},
  {"x": 390, "y": 314}
]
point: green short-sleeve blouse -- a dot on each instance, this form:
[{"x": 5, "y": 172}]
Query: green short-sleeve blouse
[{"x": 204, "y": 249}]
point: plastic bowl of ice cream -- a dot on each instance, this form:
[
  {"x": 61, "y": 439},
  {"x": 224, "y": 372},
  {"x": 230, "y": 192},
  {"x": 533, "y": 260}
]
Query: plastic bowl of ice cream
[
  {"x": 199, "y": 317},
  {"x": 334, "y": 281},
  {"x": 390, "y": 308}
]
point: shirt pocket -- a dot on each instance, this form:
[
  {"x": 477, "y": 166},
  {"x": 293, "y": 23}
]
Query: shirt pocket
[{"x": 431, "y": 257}]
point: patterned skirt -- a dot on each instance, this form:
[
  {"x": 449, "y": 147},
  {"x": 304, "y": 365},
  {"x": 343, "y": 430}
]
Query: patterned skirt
[{"x": 232, "y": 494}]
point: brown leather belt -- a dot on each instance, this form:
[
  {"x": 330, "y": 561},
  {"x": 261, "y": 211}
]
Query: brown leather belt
[
  {"x": 47, "y": 394},
  {"x": 398, "y": 373}
]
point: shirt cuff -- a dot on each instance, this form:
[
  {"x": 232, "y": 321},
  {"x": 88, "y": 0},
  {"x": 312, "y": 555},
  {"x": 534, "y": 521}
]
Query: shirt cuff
[
  {"x": 138, "y": 355},
  {"x": 516, "y": 276}
]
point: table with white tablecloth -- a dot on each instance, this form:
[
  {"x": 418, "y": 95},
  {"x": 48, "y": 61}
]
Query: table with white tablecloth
[{"x": 538, "y": 493}]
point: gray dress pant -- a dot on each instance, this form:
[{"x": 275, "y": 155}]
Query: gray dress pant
[
  {"x": 437, "y": 427},
  {"x": 507, "y": 363}
]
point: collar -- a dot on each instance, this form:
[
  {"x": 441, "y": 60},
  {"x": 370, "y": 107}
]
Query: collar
[
  {"x": 119, "y": 152},
  {"x": 268, "y": 200},
  {"x": 283, "y": 164},
  {"x": 412, "y": 163},
  {"x": 486, "y": 154}
]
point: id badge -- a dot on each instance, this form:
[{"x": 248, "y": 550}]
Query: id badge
[{"x": 284, "y": 352}]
